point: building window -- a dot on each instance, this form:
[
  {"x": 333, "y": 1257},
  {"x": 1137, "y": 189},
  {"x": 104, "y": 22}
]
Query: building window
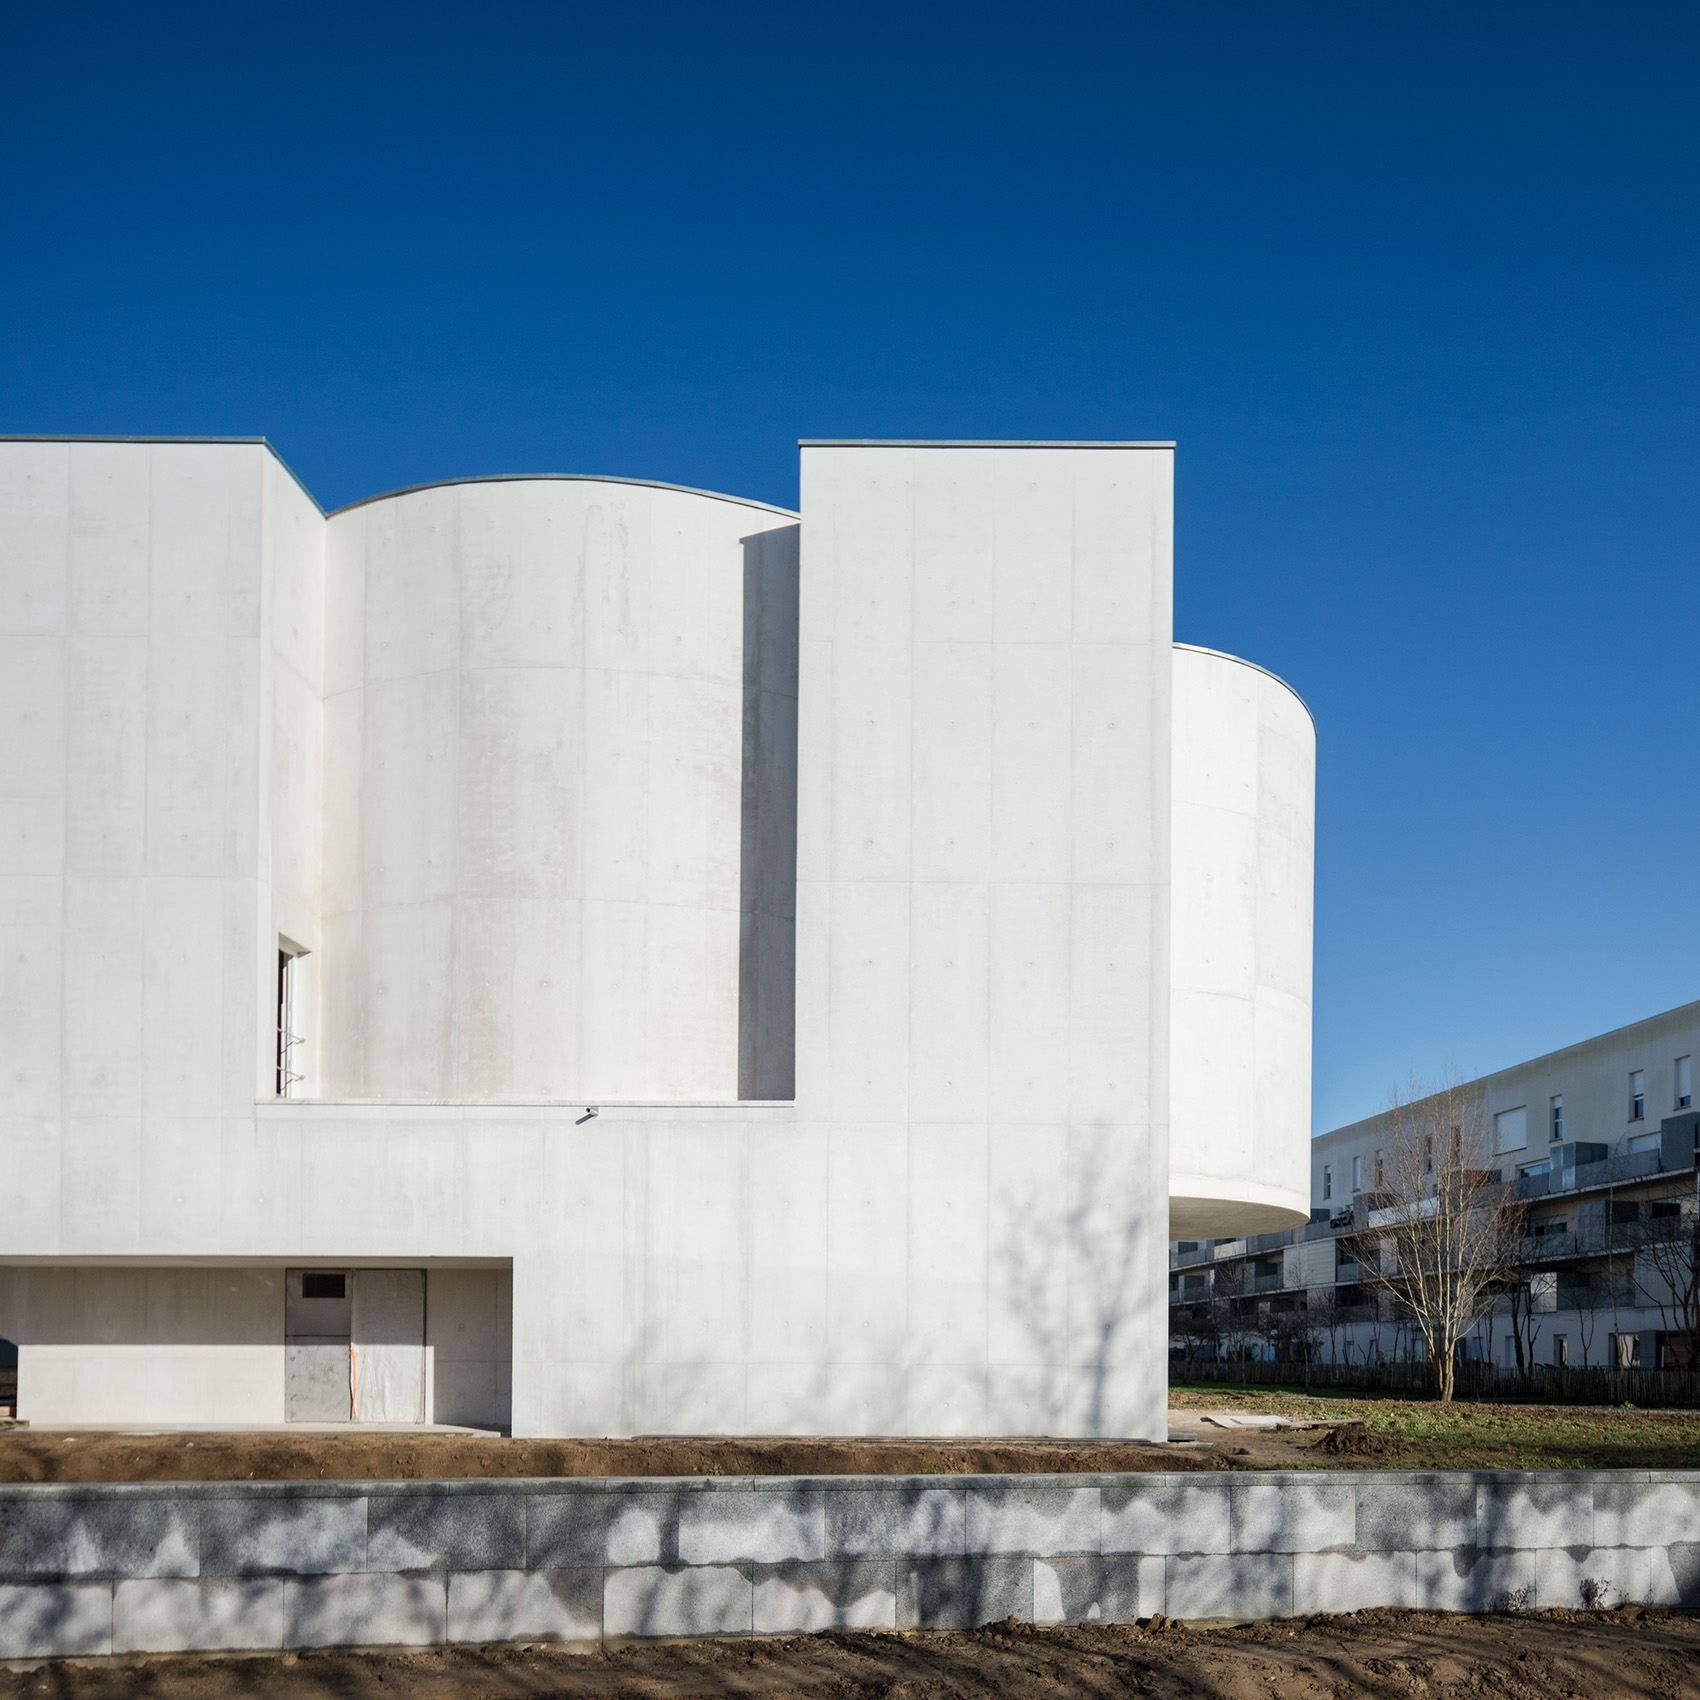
[
  {"x": 1561, "y": 1350},
  {"x": 1357, "y": 1174},
  {"x": 1638, "y": 1096},
  {"x": 1428, "y": 1153},
  {"x": 289, "y": 1012},
  {"x": 1380, "y": 1174},
  {"x": 1327, "y": 1182},
  {"x": 1556, "y": 1130},
  {"x": 1511, "y": 1129},
  {"x": 1684, "y": 1084}
]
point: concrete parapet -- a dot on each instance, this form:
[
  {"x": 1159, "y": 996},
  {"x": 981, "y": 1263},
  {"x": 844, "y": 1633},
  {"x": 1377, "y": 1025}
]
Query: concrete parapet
[{"x": 226, "y": 1566}]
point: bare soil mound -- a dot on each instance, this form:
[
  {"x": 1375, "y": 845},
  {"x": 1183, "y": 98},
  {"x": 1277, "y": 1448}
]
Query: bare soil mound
[
  {"x": 1353, "y": 1440},
  {"x": 29, "y": 1455},
  {"x": 1384, "y": 1654}
]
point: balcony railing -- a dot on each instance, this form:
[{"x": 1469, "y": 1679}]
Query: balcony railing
[{"x": 1586, "y": 1176}]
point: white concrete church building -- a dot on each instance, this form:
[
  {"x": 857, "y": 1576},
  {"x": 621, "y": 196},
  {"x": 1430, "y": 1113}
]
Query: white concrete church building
[{"x": 604, "y": 958}]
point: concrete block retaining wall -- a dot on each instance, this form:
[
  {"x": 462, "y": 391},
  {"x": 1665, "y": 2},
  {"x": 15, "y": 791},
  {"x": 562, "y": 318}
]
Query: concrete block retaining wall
[{"x": 269, "y": 1565}]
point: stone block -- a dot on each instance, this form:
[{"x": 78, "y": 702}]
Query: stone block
[
  {"x": 1091, "y": 1589},
  {"x": 218, "y": 1614},
  {"x": 55, "y": 1620},
  {"x": 906, "y": 1522},
  {"x": 646, "y": 1600},
  {"x": 1234, "y": 1585},
  {"x": 1292, "y": 1516},
  {"x": 963, "y": 1593},
  {"x": 1353, "y": 1581},
  {"x": 1041, "y": 1521},
  {"x": 804, "y": 1598},
  {"x": 1165, "y": 1517},
  {"x": 771, "y": 1527},
  {"x": 89, "y": 1539},
  {"x": 282, "y": 1536},
  {"x": 461, "y": 1531},
  {"x": 1412, "y": 1514},
  {"x": 1531, "y": 1514},
  {"x": 576, "y": 1531},
  {"x": 520, "y": 1605},
  {"x": 1468, "y": 1579},
  {"x": 1646, "y": 1514},
  {"x": 367, "y": 1610},
  {"x": 1675, "y": 1575},
  {"x": 1594, "y": 1580}
]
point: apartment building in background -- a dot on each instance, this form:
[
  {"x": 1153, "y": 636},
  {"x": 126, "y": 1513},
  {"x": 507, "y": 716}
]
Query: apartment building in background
[{"x": 1598, "y": 1144}]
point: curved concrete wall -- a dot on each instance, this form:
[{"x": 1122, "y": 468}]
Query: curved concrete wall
[
  {"x": 1240, "y": 940},
  {"x": 548, "y": 791}
]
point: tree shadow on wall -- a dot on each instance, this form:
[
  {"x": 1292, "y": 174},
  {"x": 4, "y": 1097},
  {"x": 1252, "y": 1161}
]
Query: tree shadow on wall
[{"x": 1073, "y": 1278}]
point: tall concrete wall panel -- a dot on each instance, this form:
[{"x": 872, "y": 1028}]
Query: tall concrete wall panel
[{"x": 982, "y": 908}]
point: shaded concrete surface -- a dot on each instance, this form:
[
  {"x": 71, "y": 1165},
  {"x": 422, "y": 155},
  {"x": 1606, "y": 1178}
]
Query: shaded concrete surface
[{"x": 1517, "y": 1656}]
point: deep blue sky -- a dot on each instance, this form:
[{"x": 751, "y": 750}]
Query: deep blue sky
[{"x": 1414, "y": 286}]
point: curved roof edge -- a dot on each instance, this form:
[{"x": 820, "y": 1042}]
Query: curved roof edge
[
  {"x": 974, "y": 443},
  {"x": 563, "y": 478},
  {"x": 74, "y": 437},
  {"x": 1223, "y": 655}
]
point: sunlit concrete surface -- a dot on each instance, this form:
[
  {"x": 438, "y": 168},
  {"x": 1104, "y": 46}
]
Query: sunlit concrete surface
[
  {"x": 1240, "y": 920},
  {"x": 737, "y": 957}
]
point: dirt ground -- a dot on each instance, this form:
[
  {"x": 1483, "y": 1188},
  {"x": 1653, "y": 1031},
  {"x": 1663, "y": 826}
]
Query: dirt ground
[
  {"x": 1371, "y": 1433},
  {"x": 1540, "y": 1656},
  {"x": 48, "y": 1455},
  {"x": 1338, "y": 1433}
]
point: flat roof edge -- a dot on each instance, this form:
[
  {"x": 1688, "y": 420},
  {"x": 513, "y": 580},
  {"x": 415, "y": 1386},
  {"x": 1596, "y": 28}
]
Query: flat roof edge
[
  {"x": 973, "y": 443},
  {"x": 226, "y": 442},
  {"x": 1240, "y": 660},
  {"x": 561, "y": 478}
]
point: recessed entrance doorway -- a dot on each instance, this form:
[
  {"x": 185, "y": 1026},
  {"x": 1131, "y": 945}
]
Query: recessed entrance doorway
[{"x": 354, "y": 1345}]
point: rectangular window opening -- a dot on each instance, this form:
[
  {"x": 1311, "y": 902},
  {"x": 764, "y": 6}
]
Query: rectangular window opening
[
  {"x": 1638, "y": 1096},
  {"x": 1684, "y": 1084},
  {"x": 289, "y": 1014},
  {"x": 1557, "y": 1128},
  {"x": 321, "y": 1284},
  {"x": 1327, "y": 1182},
  {"x": 1511, "y": 1129}
]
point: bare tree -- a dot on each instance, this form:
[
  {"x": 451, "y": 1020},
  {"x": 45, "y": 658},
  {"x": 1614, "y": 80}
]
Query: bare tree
[
  {"x": 1440, "y": 1224},
  {"x": 1327, "y": 1317},
  {"x": 1525, "y": 1328},
  {"x": 1667, "y": 1270},
  {"x": 1587, "y": 1320},
  {"x": 1232, "y": 1313},
  {"x": 1295, "y": 1331}
]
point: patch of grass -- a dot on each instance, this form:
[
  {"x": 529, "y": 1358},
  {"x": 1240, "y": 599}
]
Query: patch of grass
[{"x": 1469, "y": 1436}]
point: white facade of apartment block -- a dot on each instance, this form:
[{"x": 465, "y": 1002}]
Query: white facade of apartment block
[
  {"x": 1598, "y": 1141},
  {"x": 602, "y": 958}
]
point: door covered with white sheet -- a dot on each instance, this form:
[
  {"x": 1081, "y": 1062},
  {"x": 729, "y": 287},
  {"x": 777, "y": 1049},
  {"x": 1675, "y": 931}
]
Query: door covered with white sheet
[{"x": 387, "y": 1358}]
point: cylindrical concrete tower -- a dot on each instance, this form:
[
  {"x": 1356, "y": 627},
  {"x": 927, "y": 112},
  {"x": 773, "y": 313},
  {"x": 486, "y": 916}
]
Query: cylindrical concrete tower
[
  {"x": 1244, "y": 797},
  {"x": 559, "y": 794}
]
